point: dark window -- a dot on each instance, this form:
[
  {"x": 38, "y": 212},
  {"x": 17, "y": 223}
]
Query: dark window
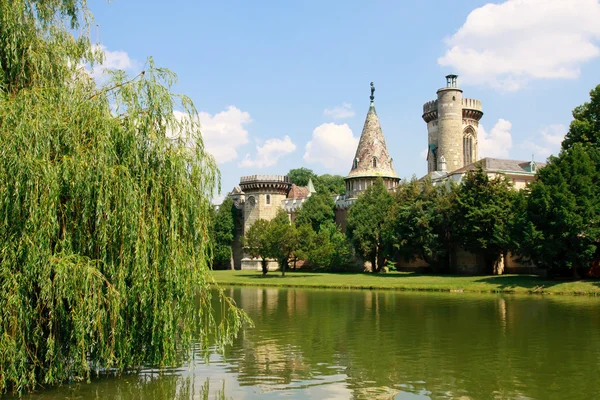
[{"x": 268, "y": 199}]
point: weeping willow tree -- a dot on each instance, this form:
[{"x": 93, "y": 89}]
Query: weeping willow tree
[{"x": 104, "y": 207}]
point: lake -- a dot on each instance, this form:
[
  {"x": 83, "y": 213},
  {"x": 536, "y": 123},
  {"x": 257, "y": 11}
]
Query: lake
[{"x": 334, "y": 344}]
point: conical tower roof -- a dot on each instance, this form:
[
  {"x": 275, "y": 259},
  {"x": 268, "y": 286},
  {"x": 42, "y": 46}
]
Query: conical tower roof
[{"x": 372, "y": 158}]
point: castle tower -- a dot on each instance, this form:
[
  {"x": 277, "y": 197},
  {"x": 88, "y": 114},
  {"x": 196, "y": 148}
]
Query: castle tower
[
  {"x": 372, "y": 159},
  {"x": 263, "y": 197},
  {"x": 452, "y": 126}
]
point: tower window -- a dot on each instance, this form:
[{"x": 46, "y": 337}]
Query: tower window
[
  {"x": 268, "y": 199},
  {"x": 355, "y": 163},
  {"x": 468, "y": 147},
  {"x": 453, "y": 98},
  {"x": 374, "y": 162}
]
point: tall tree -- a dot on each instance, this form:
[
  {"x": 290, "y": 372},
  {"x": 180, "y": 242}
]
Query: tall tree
[
  {"x": 330, "y": 184},
  {"x": 482, "y": 214},
  {"x": 366, "y": 224},
  {"x": 105, "y": 232},
  {"x": 301, "y": 176},
  {"x": 224, "y": 230},
  {"x": 585, "y": 127},
  {"x": 564, "y": 210},
  {"x": 315, "y": 211}
]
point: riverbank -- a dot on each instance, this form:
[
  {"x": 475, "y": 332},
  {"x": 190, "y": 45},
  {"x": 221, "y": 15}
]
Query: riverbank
[{"x": 410, "y": 281}]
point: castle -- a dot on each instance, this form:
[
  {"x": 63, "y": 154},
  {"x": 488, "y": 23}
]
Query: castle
[{"x": 452, "y": 151}]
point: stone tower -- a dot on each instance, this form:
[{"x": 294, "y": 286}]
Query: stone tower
[
  {"x": 452, "y": 126},
  {"x": 263, "y": 196},
  {"x": 372, "y": 159}
]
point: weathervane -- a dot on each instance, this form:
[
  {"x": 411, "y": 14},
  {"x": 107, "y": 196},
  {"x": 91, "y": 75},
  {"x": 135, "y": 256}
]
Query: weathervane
[{"x": 372, "y": 91}]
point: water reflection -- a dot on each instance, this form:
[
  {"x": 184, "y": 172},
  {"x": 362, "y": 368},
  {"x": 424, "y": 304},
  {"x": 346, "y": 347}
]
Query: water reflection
[{"x": 329, "y": 344}]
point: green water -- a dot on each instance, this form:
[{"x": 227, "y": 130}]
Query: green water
[{"x": 367, "y": 344}]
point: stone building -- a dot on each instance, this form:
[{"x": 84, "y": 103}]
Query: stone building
[{"x": 452, "y": 126}]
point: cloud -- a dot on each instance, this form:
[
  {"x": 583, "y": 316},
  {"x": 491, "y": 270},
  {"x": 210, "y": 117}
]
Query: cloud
[
  {"x": 222, "y": 133},
  {"x": 112, "y": 60},
  {"x": 269, "y": 153},
  {"x": 340, "y": 112},
  {"x": 424, "y": 153},
  {"x": 506, "y": 45},
  {"x": 547, "y": 141},
  {"x": 333, "y": 146},
  {"x": 496, "y": 143}
]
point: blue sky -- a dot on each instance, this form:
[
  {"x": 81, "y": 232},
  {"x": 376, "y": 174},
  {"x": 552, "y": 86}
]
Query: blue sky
[{"x": 285, "y": 84}]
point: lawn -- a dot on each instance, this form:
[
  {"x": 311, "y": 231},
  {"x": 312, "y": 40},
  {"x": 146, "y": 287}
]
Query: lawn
[{"x": 411, "y": 281}]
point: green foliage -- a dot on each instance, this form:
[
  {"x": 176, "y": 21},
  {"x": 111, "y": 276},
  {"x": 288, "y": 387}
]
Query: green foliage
[
  {"x": 315, "y": 211},
  {"x": 301, "y": 176},
  {"x": 330, "y": 249},
  {"x": 281, "y": 239},
  {"x": 256, "y": 243},
  {"x": 330, "y": 184},
  {"x": 105, "y": 239},
  {"x": 585, "y": 127},
  {"x": 224, "y": 229},
  {"x": 367, "y": 227},
  {"x": 563, "y": 210},
  {"x": 419, "y": 223},
  {"x": 482, "y": 215}
]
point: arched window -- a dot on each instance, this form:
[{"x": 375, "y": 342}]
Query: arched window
[
  {"x": 468, "y": 146},
  {"x": 355, "y": 163},
  {"x": 442, "y": 166},
  {"x": 268, "y": 199},
  {"x": 374, "y": 162}
]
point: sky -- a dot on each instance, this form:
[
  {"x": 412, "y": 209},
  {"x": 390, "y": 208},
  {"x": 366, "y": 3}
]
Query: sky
[{"x": 285, "y": 84}]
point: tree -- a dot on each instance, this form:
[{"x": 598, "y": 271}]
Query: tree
[
  {"x": 482, "y": 214},
  {"x": 224, "y": 230},
  {"x": 585, "y": 127},
  {"x": 330, "y": 248},
  {"x": 366, "y": 224},
  {"x": 281, "y": 239},
  {"x": 563, "y": 210},
  {"x": 256, "y": 243},
  {"x": 419, "y": 223},
  {"x": 301, "y": 176},
  {"x": 330, "y": 184},
  {"x": 105, "y": 235},
  {"x": 315, "y": 211}
]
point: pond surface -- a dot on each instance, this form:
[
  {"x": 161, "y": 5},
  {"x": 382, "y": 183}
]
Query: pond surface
[{"x": 327, "y": 344}]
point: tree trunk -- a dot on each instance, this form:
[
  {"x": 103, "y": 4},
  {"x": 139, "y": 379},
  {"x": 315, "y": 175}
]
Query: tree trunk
[
  {"x": 265, "y": 267},
  {"x": 283, "y": 262},
  {"x": 576, "y": 276}
]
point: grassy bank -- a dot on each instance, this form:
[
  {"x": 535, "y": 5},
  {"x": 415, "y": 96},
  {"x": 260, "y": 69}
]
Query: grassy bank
[{"x": 411, "y": 281}]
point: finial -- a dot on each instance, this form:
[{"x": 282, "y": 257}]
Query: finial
[{"x": 372, "y": 92}]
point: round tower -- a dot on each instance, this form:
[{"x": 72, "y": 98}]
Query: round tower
[
  {"x": 263, "y": 196},
  {"x": 452, "y": 126}
]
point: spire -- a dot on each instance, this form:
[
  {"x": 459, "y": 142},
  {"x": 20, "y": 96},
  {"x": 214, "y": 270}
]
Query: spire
[
  {"x": 311, "y": 187},
  {"x": 372, "y": 158}
]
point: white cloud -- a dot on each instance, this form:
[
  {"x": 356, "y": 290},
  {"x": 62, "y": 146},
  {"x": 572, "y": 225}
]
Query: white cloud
[
  {"x": 269, "y": 153},
  {"x": 423, "y": 154},
  {"x": 496, "y": 143},
  {"x": 222, "y": 133},
  {"x": 340, "y": 112},
  {"x": 506, "y": 45},
  {"x": 113, "y": 60},
  {"x": 331, "y": 145},
  {"x": 547, "y": 141}
]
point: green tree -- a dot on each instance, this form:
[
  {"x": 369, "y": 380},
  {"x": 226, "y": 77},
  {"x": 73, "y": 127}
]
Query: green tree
[
  {"x": 301, "y": 176},
  {"x": 315, "y": 211},
  {"x": 330, "y": 184},
  {"x": 482, "y": 216},
  {"x": 366, "y": 224},
  {"x": 420, "y": 225},
  {"x": 585, "y": 127},
  {"x": 224, "y": 230},
  {"x": 563, "y": 210},
  {"x": 281, "y": 239},
  {"x": 105, "y": 232},
  {"x": 256, "y": 243},
  {"x": 330, "y": 249}
]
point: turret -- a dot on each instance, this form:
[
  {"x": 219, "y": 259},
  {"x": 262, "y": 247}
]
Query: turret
[{"x": 452, "y": 125}]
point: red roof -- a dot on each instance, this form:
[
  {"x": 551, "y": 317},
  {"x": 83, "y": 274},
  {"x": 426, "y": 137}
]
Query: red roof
[{"x": 298, "y": 192}]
